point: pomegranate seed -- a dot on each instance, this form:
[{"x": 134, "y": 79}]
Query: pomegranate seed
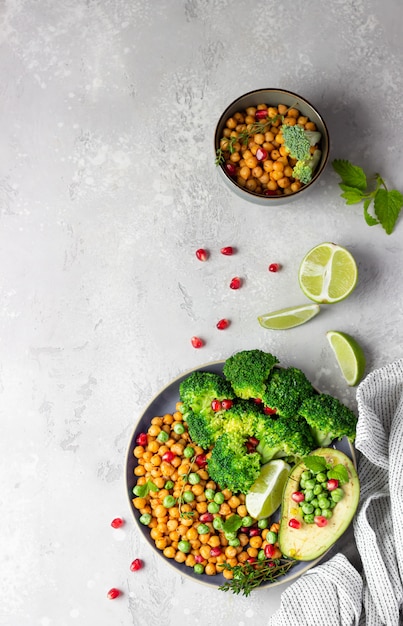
[
  {"x": 320, "y": 520},
  {"x": 261, "y": 114},
  {"x": 257, "y": 400},
  {"x": 226, "y": 404},
  {"x": 298, "y": 496},
  {"x": 216, "y": 405},
  {"x": 215, "y": 551},
  {"x": 199, "y": 558},
  {"x": 202, "y": 254},
  {"x": 113, "y": 593},
  {"x": 235, "y": 283},
  {"x": 197, "y": 342},
  {"x": 269, "y": 411},
  {"x": 223, "y": 324},
  {"x": 168, "y": 456},
  {"x": 332, "y": 484},
  {"x": 142, "y": 439},
  {"x": 254, "y": 532},
  {"x": 201, "y": 460},
  {"x": 206, "y": 517},
  {"x": 269, "y": 550},
  {"x": 274, "y": 267},
  {"x": 227, "y": 250},
  {"x": 230, "y": 169},
  {"x": 136, "y": 565},
  {"x": 251, "y": 559},
  {"x": 271, "y": 564},
  {"x": 245, "y": 530},
  {"x": 261, "y": 154},
  {"x": 270, "y": 192},
  {"x": 294, "y": 523},
  {"x": 253, "y": 441},
  {"x": 117, "y": 522}
]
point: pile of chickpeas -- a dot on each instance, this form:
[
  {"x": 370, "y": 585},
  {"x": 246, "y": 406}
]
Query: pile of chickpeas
[
  {"x": 261, "y": 164},
  {"x": 185, "y": 510}
]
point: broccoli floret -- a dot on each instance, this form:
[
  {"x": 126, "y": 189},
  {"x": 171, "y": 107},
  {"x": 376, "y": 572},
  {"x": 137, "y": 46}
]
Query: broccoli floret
[
  {"x": 204, "y": 428},
  {"x": 298, "y": 141},
  {"x": 286, "y": 389},
  {"x": 231, "y": 466},
  {"x": 241, "y": 418},
  {"x": 303, "y": 170},
  {"x": 199, "y": 389},
  {"x": 248, "y": 371},
  {"x": 283, "y": 437},
  {"x": 328, "y": 419}
]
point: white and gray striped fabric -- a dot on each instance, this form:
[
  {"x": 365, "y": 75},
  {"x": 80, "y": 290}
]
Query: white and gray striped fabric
[{"x": 335, "y": 593}]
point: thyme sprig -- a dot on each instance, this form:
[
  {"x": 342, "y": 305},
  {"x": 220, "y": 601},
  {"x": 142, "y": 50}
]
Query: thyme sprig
[{"x": 248, "y": 576}]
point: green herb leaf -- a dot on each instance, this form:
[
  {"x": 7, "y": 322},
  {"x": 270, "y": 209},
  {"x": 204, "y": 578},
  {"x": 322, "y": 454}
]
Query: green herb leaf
[
  {"x": 315, "y": 463},
  {"x": 352, "y": 195},
  {"x": 340, "y": 473},
  {"x": 248, "y": 576},
  {"x": 232, "y": 524},
  {"x": 351, "y": 175},
  {"x": 387, "y": 206},
  {"x": 371, "y": 221},
  {"x": 143, "y": 490}
]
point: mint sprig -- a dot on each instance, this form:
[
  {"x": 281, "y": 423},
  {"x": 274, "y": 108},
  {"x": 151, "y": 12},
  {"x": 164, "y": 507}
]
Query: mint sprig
[{"x": 387, "y": 204}]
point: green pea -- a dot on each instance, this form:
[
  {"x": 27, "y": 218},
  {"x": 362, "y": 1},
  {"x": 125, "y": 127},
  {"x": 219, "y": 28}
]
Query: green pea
[
  {"x": 193, "y": 478},
  {"x": 203, "y": 529},
  {"x": 162, "y": 436},
  {"x": 332, "y": 504},
  {"x": 198, "y": 568},
  {"x": 261, "y": 555},
  {"x": 263, "y": 523},
  {"x": 213, "y": 507},
  {"x": 315, "y": 503},
  {"x": 145, "y": 519},
  {"x": 217, "y": 523},
  {"x": 321, "y": 477},
  {"x": 230, "y": 536},
  {"x": 310, "y": 484},
  {"x": 337, "y": 494},
  {"x": 169, "y": 485},
  {"x": 306, "y": 475},
  {"x": 184, "y": 546},
  {"x": 209, "y": 493},
  {"x": 307, "y": 509},
  {"x": 327, "y": 513},
  {"x": 318, "y": 511},
  {"x": 309, "y": 495},
  {"x": 309, "y": 519},
  {"x": 324, "y": 503},
  {"x": 188, "y": 496},
  {"x": 271, "y": 537},
  {"x": 138, "y": 490},
  {"x": 247, "y": 521},
  {"x": 234, "y": 542},
  {"x": 317, "y": 489},
  {"x": 219, "y": 497},
  {"x": 179, "y": 428},
  {"x": 168, "y": 502},
  {"x": 188, "y": 452}
]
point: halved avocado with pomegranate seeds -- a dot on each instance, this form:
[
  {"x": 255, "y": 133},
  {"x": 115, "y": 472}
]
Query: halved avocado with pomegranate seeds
[{"x": 307, "y": 541}]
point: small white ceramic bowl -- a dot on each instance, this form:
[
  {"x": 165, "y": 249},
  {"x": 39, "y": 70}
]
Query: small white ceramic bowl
[{"x": 272, "y": 97}]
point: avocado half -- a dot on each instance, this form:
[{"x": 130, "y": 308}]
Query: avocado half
[{"x": 310, "y": 541}]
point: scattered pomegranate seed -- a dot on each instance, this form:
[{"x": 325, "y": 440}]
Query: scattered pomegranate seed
[
  {"x": 223, "y": 324},
  {"x": 269, "y": 411},
  {"x": 294, "y": 523},
  {"x": 261, "y": 114},
  {"x": 227, "y": 250},
  {"x": 117, "y": 522},
  {"x": 202, "y": 254},
  {"x": 136, "y": 565},
  {"x": 206, "y": 517},
  {"x": 298, "y": 496},
  {"x": 201, "y": 460},
  {"x": 199, "y": 558},
  {"x": 235, "y": 283},
  {"x": 254, "y": 532},
  {"x": 215, "y": 551},
  {"x": 168, "y": 456},
  {"x": 332, "y": 484},
  {"x": 142, "y": 439},
  {"x": 216, "y": 405},
  {"x": 274, "y": 267},
  {"x": 113, "y": 593},
  {"x": 197, "y": 342},
  {"x": 226, "y": 404},
  {"x": 269, "y": 550},
  {"x": 261, "y": 154},
  {"x": 230, "y": 169},
  {"x": 320, "y": 520}
]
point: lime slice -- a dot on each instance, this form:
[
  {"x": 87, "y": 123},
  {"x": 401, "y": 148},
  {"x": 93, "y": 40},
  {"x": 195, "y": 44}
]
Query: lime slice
[
  {"x": 328, "y": 273},
  {"x": 349, "y": 355},
  {"x": 289, "y": 317},
  {"x": 264, "y": 497}
]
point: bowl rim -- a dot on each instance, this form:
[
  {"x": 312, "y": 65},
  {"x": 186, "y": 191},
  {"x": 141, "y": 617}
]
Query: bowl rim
[{"x": 274, "y": 198}]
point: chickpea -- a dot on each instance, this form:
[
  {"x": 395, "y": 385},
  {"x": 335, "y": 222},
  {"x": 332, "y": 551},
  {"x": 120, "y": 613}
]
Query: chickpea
[
  {"x": 231, "y": 123},
  {"x": 235, "y": 157},
  {"x": 244, "y": 172},
  {"x": 259, "y": 138},
  {"x": 251, "y": 162},
  {"x": 210, "y": 569},
  {"x": 251, "y": 184},
  {"x": 169, "y": 552},
  {"x": 274, "y": 155},
  {"x": 257, "y": 172},
  {"x": 284, "y": 182},
  {"x": 310, "y": 126}
]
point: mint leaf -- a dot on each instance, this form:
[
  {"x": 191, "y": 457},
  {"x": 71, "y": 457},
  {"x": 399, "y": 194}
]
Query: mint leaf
[
  {"x": 143, "y": 490},
  {"x": 351, "y": 194},
  {"x": 315, "y": 463},
  {"x": 232, "y": 524},
  {"x": 387, "y": 206},
  {"x": 371, "y": 221},
  {"x": 351, "y": 175},
  {"x": 340, "y": 473}
]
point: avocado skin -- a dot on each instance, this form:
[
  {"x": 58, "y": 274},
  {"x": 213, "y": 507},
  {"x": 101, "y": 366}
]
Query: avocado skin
[{"x": 310, "y": 542}]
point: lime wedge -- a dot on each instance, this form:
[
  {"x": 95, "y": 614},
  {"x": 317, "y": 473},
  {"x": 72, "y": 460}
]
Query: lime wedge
[
  {"x": 328, "y": 273},
  {"x": 349, "y": 354},
  {"x": 289, "y": 317},
  {"x": 264, "y": 497}
]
